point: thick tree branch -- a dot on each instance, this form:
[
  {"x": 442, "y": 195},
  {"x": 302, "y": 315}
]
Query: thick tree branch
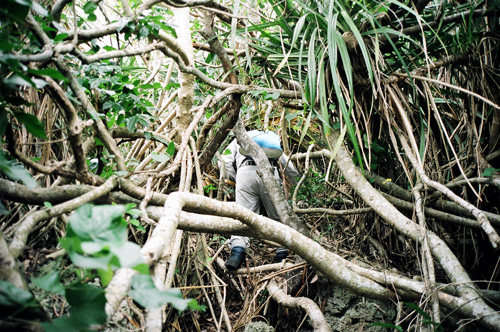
[
  {"x": 331, "y": 265},
  {"x": 16, "y": 192},
  {"x": 401, "y": 198},
  {"x": 443, "y": 255},
  {"x": 232, "y": 115},
  {"x": 8, "y": 269},
  {"x": 285, "y": 212},
  {"x": 74, "y": 126}
]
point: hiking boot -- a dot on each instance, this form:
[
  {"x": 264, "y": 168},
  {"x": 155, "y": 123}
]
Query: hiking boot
[
  {"x": 237, "y": 257},
  {"x": 281, "y": 254}
]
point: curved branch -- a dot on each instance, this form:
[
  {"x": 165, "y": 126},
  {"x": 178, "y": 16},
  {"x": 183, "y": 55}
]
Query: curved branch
[
  {"x": 222, "y": 85},
  {"x": 444, "y": 256},
  {"x": 8, "y": 267},
  {"x": 232, "y": 115},
  {"x": 116, "y": 54},
  {"x": 58, "y": 9},
  {"x": 481, "y": 218},
  {"x": 409, "y": 288},
  {"x": 317, "y": 318},
  {"x": 29, "y": 221},
  {"x": 402, "y": 198}
]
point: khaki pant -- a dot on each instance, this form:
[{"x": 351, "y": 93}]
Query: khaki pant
[{"x": 250, "y": 192}]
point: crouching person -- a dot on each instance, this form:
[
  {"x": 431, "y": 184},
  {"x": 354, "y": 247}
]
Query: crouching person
[{"x": 250, "y": 190}]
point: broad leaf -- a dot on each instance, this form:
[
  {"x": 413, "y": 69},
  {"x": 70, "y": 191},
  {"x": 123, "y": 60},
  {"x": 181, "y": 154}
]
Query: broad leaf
[
  {"x": 146, "y": 294},
  {"x": 50, "y": 283},
  {"x": 32, "y": 124}
]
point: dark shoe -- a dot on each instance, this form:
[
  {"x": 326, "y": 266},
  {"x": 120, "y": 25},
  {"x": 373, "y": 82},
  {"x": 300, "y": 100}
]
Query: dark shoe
[
  {"x": 237, "y": 257},
  {"x": 281, "y": 254}
]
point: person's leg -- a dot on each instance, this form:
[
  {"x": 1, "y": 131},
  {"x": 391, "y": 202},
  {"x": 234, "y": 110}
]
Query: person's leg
[
  {"x": 246, "y": 196},
  {"x": 281, "y": 253}
]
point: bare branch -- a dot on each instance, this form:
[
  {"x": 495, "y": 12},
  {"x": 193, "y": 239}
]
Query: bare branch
[{"x": 317, "y": 318}]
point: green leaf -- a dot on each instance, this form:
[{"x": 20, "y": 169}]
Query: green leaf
[
  {"x": 142, "y": 268},
  {"x": 87, "y": 304},
  {"x": 89, "y": 7},
  {"x": 5, "y": 46},
  {"x": 60, "y": 37},
  {"x": 3, "y": 121},
  {"x": 489, "y": 171},
  {"x": 50, "y": 283},
  {"x": 17, "y": 80},
  {"x": 94, "y": 222},
  {"x": 88, "y": 262},
  {"x": 65, "y": 324},
  {"x": 32, "y": 124},
  {"x": 171, "y": 149},
  {"x": 256, "y": 93},
  {"x": 389, "y": 326},
  {"x": 3, "y": 210},
  {"x": 51, "y": 72},
  {"x": 419, "y": 310},
  {"x": 272, "y": 96},
  {"x": 15, "y": 171},
  {"x": 146, "y": 294},
  {"x": 16, "y": 302},
  {"x": 137, "y": 224},
  {"x": 106, "y": 275},
  {"x": 161, "y": 157},
  {"x": 160, "y": 139},
  {"x": 17, "y": 10},
  {"x": 128, "y": 253}
]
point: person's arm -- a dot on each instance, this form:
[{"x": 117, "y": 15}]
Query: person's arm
[{"x": 229, "y": 160}]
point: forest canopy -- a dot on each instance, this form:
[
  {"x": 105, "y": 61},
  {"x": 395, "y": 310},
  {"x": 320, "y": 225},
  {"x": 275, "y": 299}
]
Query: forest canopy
[{"x": 114, "y": 212}]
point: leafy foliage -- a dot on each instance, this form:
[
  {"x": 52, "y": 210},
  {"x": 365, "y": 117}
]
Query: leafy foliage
[
  {"x": 356, "y": 65},
  {"x": 96, "y": 238},
  {"x": 16, "y": 303}
]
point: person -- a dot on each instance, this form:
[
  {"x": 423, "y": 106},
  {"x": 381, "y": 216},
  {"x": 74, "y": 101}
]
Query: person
[{"x": 250, "y": 190}]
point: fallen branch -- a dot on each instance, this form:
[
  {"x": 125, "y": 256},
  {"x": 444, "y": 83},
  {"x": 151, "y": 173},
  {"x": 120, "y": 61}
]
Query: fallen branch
[{"x": 317, "y": 318}]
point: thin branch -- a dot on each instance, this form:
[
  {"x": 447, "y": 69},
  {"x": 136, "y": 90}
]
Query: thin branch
[
  {"x": 481, "y": 218},
  {"x": 29, "y": 221},
  {"x": 117, "y": 54},
  {"x": 100, "y": 127},
  {"x": 451, "y": 86}
]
